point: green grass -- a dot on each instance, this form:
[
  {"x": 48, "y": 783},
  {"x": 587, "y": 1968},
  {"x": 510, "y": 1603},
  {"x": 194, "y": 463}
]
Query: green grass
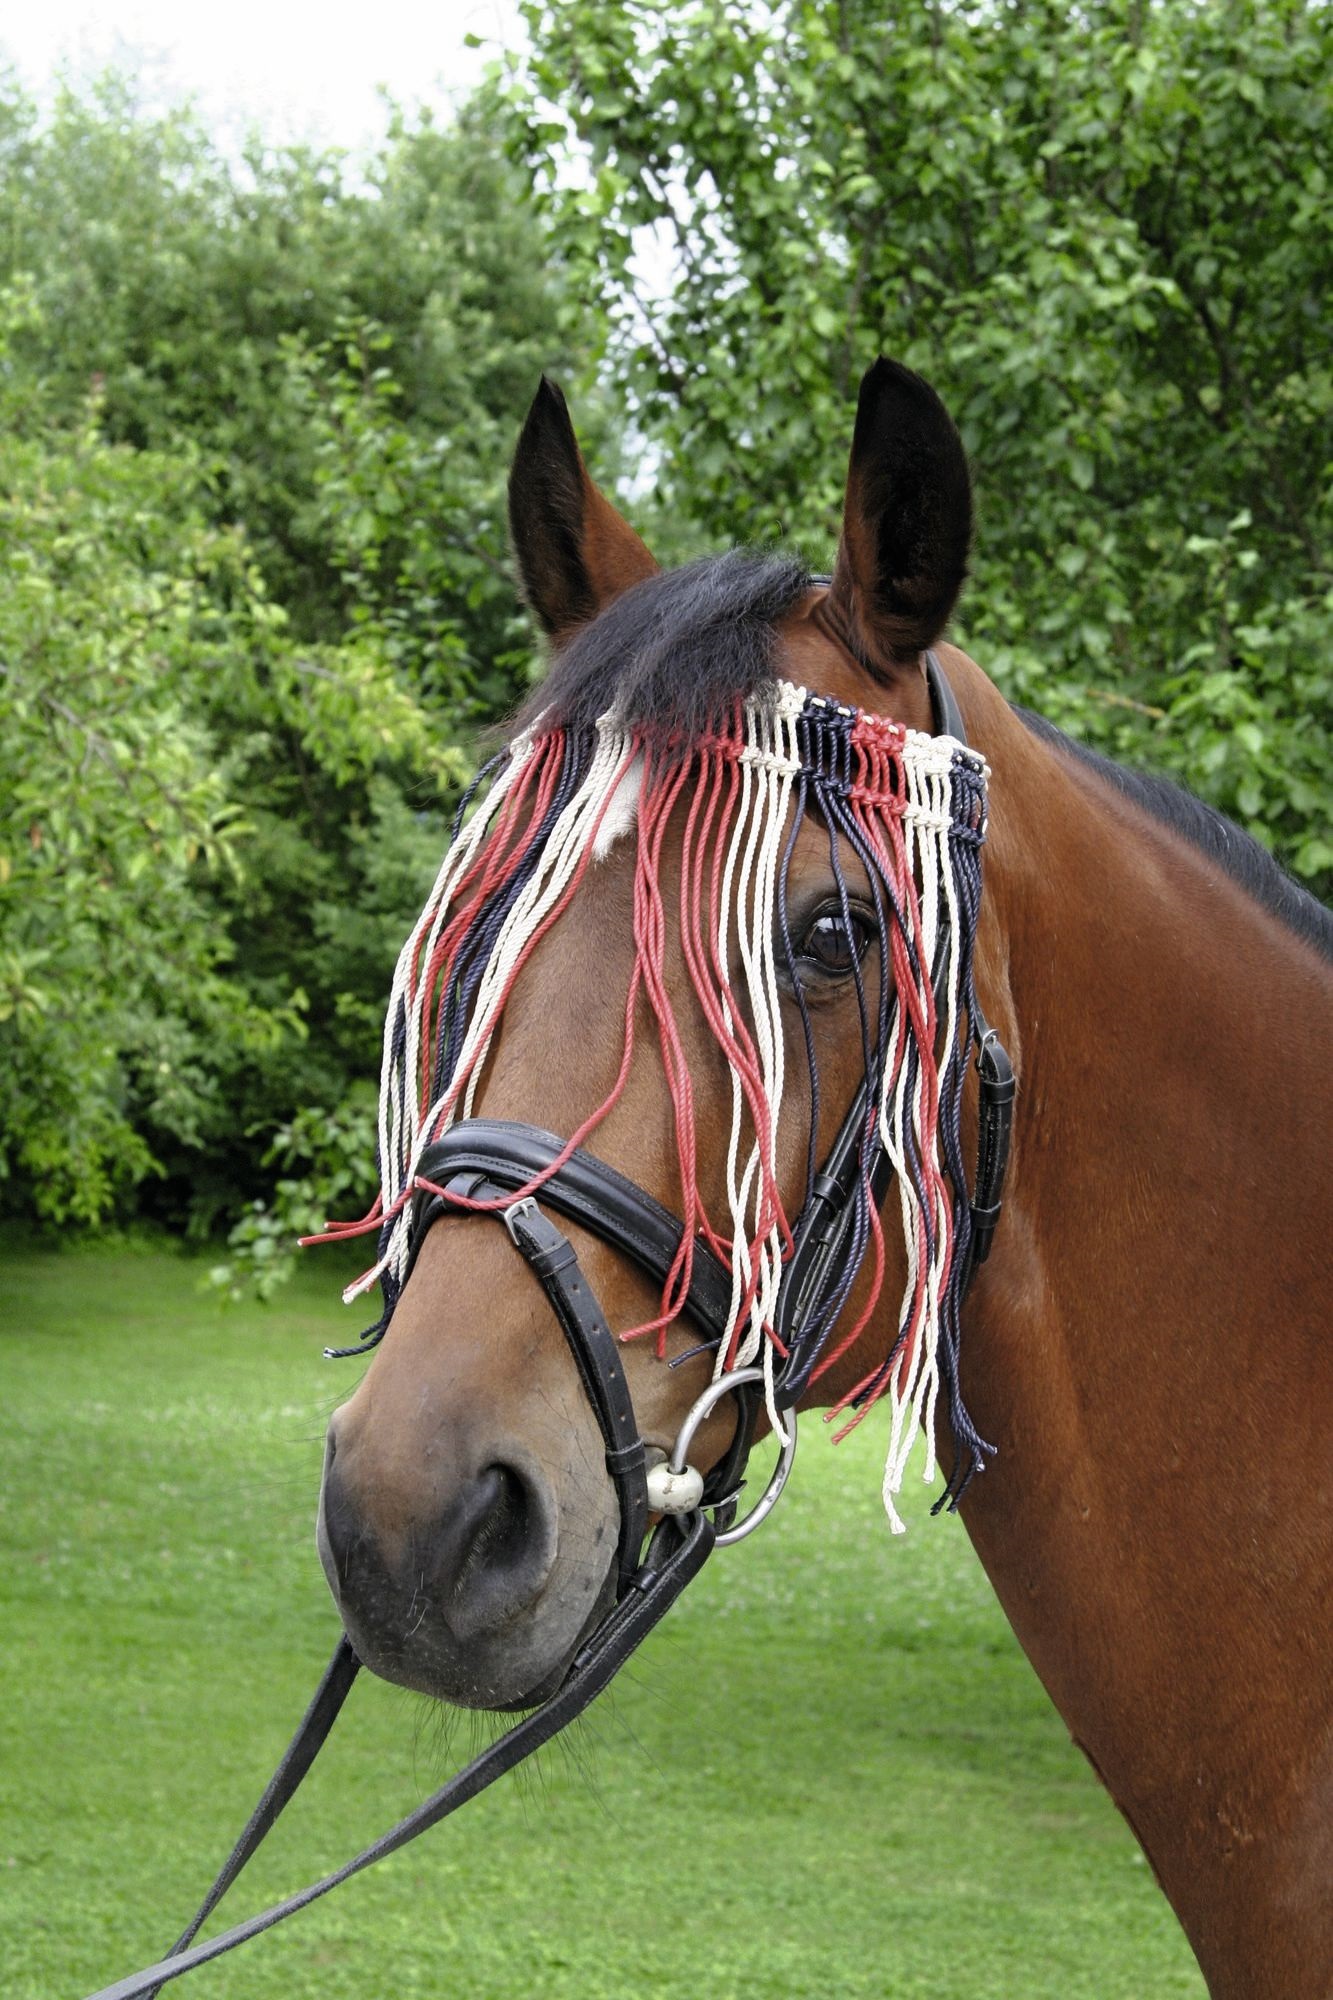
[{"x": 831, "y": 1772}]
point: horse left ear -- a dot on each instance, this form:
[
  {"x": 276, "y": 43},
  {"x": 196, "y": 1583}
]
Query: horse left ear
[
  {"x": 575, "y": 552},
  {"x": 907, "y": 522}
]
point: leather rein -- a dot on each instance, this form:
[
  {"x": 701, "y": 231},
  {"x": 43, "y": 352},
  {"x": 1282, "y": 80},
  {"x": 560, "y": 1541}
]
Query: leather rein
[{"x": 485, "y": 1160}]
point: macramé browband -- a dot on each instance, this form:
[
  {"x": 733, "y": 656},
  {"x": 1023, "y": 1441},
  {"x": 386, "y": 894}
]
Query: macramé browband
[{"x": 911, "y": 808}]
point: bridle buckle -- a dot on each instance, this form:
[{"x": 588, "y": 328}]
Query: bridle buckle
[{"x": 517, "y": 1212}]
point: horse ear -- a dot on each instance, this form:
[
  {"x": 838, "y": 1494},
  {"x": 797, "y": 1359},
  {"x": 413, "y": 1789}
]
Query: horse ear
[
  {"x": 907, "y": 521},
  {"x": 575, "y": 552}
]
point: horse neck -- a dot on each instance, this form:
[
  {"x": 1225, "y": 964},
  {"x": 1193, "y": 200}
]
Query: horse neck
[{"x": 1147, "y": 1346}]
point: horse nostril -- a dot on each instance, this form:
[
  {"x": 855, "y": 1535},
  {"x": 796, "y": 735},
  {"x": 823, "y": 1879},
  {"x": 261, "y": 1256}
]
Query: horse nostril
[
  {"x": 498, "y": 1541},
  {"x": 496, "y": 1552},
  {"x": 450, "y": 1578}
]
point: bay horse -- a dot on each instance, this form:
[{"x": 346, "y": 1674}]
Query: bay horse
[{"x": 1145, "y": 1377}]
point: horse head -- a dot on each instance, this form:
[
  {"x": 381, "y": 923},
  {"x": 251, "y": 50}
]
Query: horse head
[{"x": 697, "y": 987}]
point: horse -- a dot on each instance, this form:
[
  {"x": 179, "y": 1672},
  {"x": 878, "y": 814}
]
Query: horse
[{"x": 1139, "y": 1383}]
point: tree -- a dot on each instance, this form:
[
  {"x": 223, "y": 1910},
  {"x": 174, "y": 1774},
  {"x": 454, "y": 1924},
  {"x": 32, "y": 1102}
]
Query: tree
[
  {"x": 257, "y": 606},
  {"x": 1099, "y": 231},
  {"x": 114, "y": 812}
]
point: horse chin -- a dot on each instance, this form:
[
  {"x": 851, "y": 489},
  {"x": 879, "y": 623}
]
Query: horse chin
[{"x": 506, "y": 1671}]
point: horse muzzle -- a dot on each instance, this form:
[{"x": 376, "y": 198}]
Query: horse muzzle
[{"x": 478, "y": 1584}]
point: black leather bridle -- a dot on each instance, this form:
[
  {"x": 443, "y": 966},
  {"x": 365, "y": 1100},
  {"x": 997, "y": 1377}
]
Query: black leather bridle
[{"x": 487, "y": 1161}]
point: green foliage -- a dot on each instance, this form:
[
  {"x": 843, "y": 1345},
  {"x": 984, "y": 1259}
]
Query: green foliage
[
  {"x": 205, "y": 848},
  {"x": 333, "y": 342},
  {"x": 115, "y": 816},
  {"x": 256, "y": 424},
  {"x": 323, "y": 1159},
  {"x": 1101, "y": 232}
]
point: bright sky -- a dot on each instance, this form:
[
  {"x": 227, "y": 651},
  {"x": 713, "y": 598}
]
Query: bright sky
[{"x": 296, "y": 68}]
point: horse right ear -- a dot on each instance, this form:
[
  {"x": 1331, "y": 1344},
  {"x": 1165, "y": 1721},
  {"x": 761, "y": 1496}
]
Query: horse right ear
[
  {"x": 906, "y": 525},
  {"x": 575, "y": 553}
]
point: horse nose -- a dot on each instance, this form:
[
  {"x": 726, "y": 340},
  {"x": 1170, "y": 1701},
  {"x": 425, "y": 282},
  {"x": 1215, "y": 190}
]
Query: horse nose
[
  {"x": 453, "y": 1565},
  {"x": 491, "y": 1551}
]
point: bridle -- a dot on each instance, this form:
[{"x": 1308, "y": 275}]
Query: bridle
[
  {"x": 479, "y": 1165},
  {"x": 479, "y": 1162}
]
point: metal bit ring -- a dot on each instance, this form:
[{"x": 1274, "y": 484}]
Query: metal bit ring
[{"x": 704, "y": 1404}]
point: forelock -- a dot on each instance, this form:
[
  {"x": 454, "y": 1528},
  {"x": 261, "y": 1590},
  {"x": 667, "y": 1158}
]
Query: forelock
[{"x": 671, "y": 654}]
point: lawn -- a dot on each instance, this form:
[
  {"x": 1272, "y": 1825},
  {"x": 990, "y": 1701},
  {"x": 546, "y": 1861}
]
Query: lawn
[{"x": 831, "y": 1772}]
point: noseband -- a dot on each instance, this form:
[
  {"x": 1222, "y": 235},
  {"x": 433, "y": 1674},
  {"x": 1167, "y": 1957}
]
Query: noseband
[{"x": 480, "y": 1165}]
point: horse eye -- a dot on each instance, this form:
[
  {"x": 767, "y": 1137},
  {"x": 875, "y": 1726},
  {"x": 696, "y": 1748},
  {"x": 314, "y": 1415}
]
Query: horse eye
[{"x": 834, "y": 945}]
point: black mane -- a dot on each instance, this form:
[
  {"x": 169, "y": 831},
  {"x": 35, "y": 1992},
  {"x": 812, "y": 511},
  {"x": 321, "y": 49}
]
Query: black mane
[
  {"x": 1237, "y": 853},
  {"x": 672, "y": 652}
]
